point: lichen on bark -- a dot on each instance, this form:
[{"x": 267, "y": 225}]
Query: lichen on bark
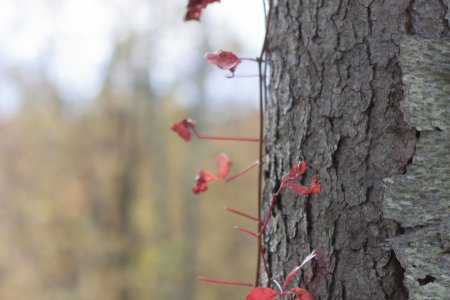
[{"x": 419, "y": 200}]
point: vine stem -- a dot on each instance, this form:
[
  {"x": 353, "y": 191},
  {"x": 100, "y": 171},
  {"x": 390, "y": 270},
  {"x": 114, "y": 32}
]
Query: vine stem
[
  {"x": 220, "y": 281},
  {"x": 262, "y": 100},
  {"x": 260, "y": 170},
  {"x": 243, "y": 171},
  {"x": 226, "y": 138},
  {"x": 255, "y": 235},
  {"x": 237, "y": 212},
  {"x": 234, "y": 76},
  {"x": 249, "y": 58}
]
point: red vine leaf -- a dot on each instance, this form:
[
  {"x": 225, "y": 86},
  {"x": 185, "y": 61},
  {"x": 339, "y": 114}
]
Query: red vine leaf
[
  {"x": 302, "y": 294},
  {"x": 185, "y": 128},
  {"x": 223, "y": 59},
  {"x": 195, "y": 7},
  {"x": 314, "y": 187},
  {"x": 296, "y": 172},
  {"x": 203, "y": 176},
  {"x": 224, "y": 164},
  {"x": 201, "y": 181},
  {"x": 193, "y": 13},
  {"x": 298, "y": 188},
  {"x": 262, "y": 293}
]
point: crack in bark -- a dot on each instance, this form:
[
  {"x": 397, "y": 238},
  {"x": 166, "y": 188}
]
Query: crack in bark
[
  {"x": 444, "y": 20},
  {"x": 409, "y": 18}
]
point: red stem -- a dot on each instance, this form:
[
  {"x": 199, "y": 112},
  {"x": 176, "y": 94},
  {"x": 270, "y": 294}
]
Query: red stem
[
  {"x": 243, "y": 171},
  {"x": 242, "y": 214},
  {"x": 260, "y": 157},
  {"x": 266, "y": 220},
  {"x": 246, "y": 231},
  {"x": 229, "y": 282},
  {"x": 226, "y": 138},
  {"x": 249, "y": 58},
  {"x": 261, "y": 249},
  {"x": 241, "y": 76}
]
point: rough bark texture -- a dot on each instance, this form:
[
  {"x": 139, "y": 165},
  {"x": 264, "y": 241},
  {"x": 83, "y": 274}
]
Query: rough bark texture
[
  {"x": 336, "y": 92},
  {"x": 420, "y": 200},
  {"x": 425, "y": 65}
]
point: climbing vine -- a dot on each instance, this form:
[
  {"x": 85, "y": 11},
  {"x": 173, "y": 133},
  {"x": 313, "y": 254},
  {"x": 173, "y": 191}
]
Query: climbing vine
[{"x": 186, "y": 129}]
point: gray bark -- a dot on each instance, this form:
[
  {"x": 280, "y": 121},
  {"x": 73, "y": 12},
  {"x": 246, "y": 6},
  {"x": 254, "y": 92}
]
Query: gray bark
[
  {"x": 336, "y": 94},
  {"x": 419, "y": 201}
]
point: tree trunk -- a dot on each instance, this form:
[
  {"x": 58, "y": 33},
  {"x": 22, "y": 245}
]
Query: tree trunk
[
  {"x": 419, "y": 201},
  {"x": 336, "y": 101}
]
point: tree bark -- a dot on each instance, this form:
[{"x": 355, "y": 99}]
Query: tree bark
[
  {"x": 419, "y": 201},
  {"x": 336, "y": 93}
]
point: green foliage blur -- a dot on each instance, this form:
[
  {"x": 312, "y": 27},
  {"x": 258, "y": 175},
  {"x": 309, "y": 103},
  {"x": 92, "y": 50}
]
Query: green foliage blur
[{"x": 97, "y": 205}]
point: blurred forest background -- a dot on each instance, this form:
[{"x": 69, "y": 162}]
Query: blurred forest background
[{"x": 95, "y": 189}]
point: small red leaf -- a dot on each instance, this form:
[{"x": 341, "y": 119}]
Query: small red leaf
[
  {"x": 296, "y": 172},
  {"x": 195, "y": 7},
  {"x": 206, "y": 2},
  {"x": 303, "y": 190},
  {"x": 298, "y": 188},
  {"x": 224, "y": 164},
  {"x": 262, "y": 293},
  {"x": 302, "y": 294},
  {"x": 223, "y": 59},
  {"x": 185, "y": 128},
  {"x": 314, "y": 187},
  {"x": 201, "y": 181},
  {"x": 193, "y": 13}
]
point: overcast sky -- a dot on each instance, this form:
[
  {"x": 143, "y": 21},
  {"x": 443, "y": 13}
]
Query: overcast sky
[{"x": 71, "y": 40}]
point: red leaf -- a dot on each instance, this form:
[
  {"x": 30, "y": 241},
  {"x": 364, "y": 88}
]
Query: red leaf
[
  {"x": 303, "y": 190},
  {"x": 296, "y": 172},
  {"x": 314, "y": 187},
  {"x": 193, "y": 13},
  {"x": 298, "y": 188},
  {"x": 223, "y": 59},
  {"x": 224, "y": 164},
  {"x": 302, "y": 294},
  {"x": 262, "y": 293},
  {"x": 185, "y": 128},
  {"x": 201, "y": 181},
  {"x": 195, "y": 7},
  {"x": 206, "y": 2}
]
